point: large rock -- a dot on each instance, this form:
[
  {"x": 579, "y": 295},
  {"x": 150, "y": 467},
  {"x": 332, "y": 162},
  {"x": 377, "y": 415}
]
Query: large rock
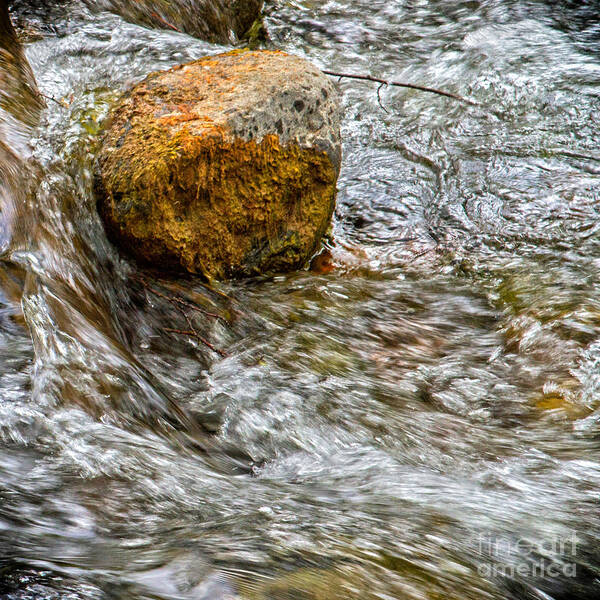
[
  {"x": 220, "y": 21},
  {"x": 225, "y": 167}
]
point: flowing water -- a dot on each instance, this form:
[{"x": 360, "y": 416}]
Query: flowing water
[{"x": 422, "y": 421}]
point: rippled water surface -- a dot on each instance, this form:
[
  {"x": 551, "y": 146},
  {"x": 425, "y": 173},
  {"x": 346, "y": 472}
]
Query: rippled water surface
[{"x": 421, "y": 422}]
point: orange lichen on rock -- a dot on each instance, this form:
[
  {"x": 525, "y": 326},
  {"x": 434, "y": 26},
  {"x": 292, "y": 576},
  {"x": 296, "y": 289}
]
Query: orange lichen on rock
[{"x": 197, "y": 174}]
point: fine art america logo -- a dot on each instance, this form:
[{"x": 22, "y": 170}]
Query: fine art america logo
[{"x": 546, "y": 558}]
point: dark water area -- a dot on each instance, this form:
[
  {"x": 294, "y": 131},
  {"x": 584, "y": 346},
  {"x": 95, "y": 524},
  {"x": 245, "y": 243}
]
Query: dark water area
[{"x": 421, "y": 422}]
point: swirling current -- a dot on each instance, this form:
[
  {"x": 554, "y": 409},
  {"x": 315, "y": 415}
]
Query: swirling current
[{"x": 421, "y": 421}]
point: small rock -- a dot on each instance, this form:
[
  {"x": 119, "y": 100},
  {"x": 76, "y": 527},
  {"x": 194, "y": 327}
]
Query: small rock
[{"x": 225, "y": 167}]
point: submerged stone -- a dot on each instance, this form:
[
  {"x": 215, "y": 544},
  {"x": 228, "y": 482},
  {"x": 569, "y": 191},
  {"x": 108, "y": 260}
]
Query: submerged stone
[
  {"x": 224, "y": 167},
  {"x": 219, "y": 21}
]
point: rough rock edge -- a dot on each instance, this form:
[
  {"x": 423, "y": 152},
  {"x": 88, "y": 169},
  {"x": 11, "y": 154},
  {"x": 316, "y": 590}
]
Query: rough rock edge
[{"x": 140, "y": 178}]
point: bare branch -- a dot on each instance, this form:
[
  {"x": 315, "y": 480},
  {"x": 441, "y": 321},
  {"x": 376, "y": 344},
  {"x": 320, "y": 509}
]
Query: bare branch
[
  {"x": 379, "y": 98},
  {"x": 193, "y": 333},
  {"x": 164, "y": 22},
  {"x": 411, "y": 86},
  {"x": 180, "y": 305}
]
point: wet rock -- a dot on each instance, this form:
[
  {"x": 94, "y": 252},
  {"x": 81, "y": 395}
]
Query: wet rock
[
  {"x": 219, "y": 21},
  {"x": 225, "y": 167}
]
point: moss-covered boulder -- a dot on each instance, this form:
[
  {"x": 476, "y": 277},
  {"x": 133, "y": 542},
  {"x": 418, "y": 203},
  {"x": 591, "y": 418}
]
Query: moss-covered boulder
[
  {"x": 225, "y": 167},
  {"x": 220, "y": 21}
]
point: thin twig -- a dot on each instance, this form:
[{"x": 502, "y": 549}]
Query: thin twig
[
  {"x": 201, "y": 310},
  {"x": 178, "y": 303},
  {"x": 379, "y": 98},
  {"x": 417, "y": 256},
  {"x": 197, "y": 335},
  {"x": 164, "y": 22},
  {"x": 411, "y": 86},
  {"x": 207, "y": 286},
  {"x": 193, "y": 333},
  {"x": 175, "y": 300},
  {"x": 51, "y": 98}
]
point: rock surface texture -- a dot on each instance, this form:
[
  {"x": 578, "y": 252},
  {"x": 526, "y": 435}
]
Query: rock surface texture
[
  {"x": 224, "y": 167},
  {"x": 220, "y": 21}
]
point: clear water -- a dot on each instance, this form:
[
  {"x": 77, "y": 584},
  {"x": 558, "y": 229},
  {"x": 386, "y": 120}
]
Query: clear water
[{"x": 423, "y": 420}]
